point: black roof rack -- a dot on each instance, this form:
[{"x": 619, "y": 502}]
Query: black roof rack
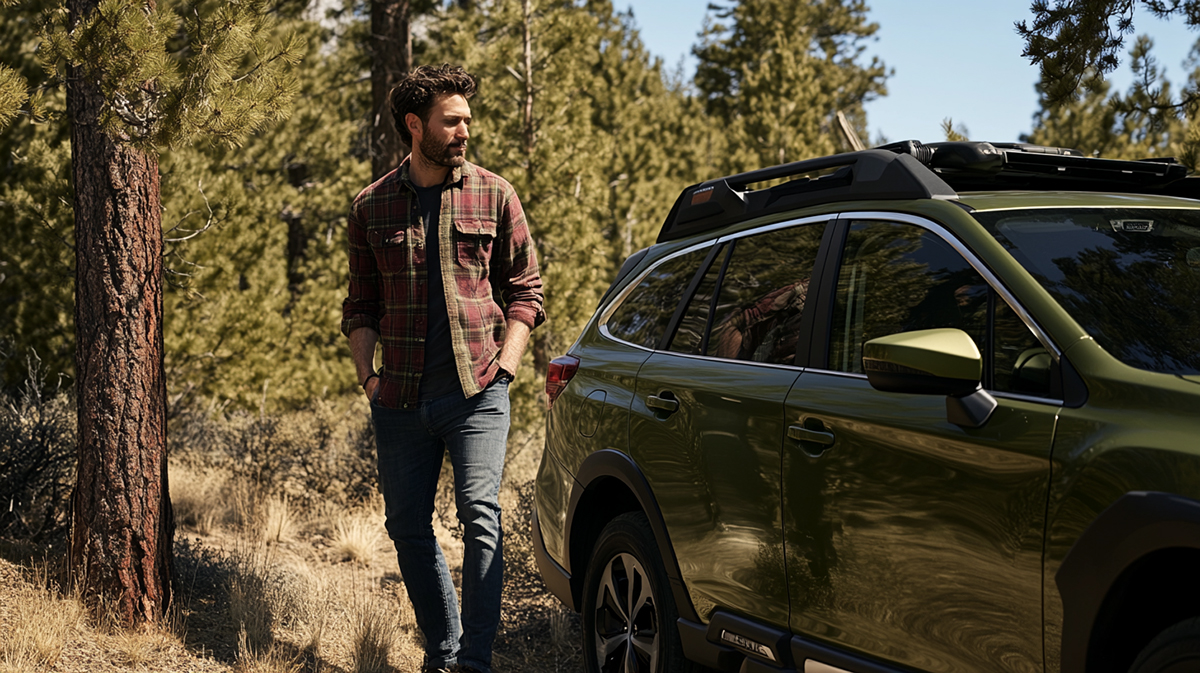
[
  {"x": 912, "y": 170},
  {"x": 868, "y": 174}
]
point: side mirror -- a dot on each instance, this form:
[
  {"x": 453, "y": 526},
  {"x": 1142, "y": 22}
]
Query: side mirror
[{"x": 932, "y": 362}]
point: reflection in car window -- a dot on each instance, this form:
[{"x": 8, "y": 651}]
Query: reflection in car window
[
  {"x": 1128, "y": 276},
  {"x": 762, "y": 296},
  {"x": 900, "y": 278},
  {"x": 642, "y": 318},
  {"x": 689, "y": 336},
  {"x": 1020, "y": 362}
]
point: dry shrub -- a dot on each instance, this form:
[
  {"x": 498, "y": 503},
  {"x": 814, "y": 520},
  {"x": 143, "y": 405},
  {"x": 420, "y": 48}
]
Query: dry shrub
[
  {"x": 37, "y": 457},
  {"x": 374, "y": 632},
  {"x": 206, "y": 499},
  {"x": 37, "y": 624},
  {"x": 263, "y": 596},
  {"x": 316, "y": 453}
]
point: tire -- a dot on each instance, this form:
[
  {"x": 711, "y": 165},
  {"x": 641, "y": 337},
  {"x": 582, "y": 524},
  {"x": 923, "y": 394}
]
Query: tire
[
  {"x": 1175, "y": 650},
  {"x": 625, "y": 569}
]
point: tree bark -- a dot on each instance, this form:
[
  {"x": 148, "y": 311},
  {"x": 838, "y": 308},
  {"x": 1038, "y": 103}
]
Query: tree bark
[
  {"x": 391, "y": 59},
  {"x": 122, "y": 522}
]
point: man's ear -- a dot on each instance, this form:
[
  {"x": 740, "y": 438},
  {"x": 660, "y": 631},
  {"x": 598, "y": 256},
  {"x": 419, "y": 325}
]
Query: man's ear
[{"x": 414, "y": 125}]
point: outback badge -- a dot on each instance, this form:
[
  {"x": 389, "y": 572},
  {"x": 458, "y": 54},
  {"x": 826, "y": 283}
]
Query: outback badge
[{"x": 1134, "y": 226}]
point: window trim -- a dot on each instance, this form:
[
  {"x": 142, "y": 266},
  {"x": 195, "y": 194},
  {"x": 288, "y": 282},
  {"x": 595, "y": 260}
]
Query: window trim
[
  {"x": 620, "y": 298},
  {"x": 637, "y": 280},
  {"x": 967, "y": 254}
]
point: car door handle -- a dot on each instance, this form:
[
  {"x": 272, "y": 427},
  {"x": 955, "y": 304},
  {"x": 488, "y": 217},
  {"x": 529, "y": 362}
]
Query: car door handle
[
  {"x": 666, "y": 402},
  {"x": 803, "y": 434}
]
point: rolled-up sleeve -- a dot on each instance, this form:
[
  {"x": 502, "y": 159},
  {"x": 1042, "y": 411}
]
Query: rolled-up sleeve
[
  {"x": 363, "y": 306},
  {"x": 517, "y": 278}
]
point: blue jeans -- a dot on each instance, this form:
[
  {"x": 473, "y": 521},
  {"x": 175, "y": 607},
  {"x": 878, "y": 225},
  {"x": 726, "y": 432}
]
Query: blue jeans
[{"x": 411, "y": 443}]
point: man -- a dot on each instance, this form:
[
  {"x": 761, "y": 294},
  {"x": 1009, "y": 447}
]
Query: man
[{"x": 434, "y": 245}]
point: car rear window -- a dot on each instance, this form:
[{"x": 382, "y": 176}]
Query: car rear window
[{"x": 1130, "y": 277}]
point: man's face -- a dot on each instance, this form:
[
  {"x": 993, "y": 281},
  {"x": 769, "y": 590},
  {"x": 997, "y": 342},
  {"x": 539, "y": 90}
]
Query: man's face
[{"x": 443, "y": 140}]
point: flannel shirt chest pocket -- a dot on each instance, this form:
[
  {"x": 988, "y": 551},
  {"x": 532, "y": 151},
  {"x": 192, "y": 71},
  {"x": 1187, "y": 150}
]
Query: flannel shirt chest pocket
[
  {"x": 389, "y": 244},
  {"x": 473, "y": 241}
]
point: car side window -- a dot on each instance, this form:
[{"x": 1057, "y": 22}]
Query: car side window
[
  {"x": 1020, "y": 363},
  {"x": 762, "y": 295},
  {"x": 643, "y": 316},
  {"x": 900, "y": 278},
  {"x": 689, "y": 336}
]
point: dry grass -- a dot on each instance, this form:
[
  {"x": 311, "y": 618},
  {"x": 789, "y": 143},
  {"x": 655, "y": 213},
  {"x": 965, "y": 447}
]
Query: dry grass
[
  {"x": 38, "y": 623},
  {"x": 278, "y": 522},
  {"x": 374, "y": 634},
  {"x": 269, "y": 582},
  {"x": 358, "y": 534}
]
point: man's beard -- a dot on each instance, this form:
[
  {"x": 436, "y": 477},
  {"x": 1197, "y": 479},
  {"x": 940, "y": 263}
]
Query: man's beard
[{"x": 439, "y": 154}]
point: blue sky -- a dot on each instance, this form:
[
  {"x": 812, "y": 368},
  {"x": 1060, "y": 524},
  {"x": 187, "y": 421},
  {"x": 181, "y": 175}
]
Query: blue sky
[{"x": 951, "y": 58}]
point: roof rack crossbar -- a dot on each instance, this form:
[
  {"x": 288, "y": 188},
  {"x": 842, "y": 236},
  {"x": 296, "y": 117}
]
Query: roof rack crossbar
[{"x": 867, "y": 174}]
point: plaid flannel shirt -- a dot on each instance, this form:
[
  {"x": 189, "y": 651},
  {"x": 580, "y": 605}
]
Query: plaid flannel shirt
[{"x": 489, "y": 273}]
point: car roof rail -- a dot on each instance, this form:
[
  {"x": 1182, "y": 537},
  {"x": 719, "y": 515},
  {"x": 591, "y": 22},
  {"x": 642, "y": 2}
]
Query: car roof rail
[
  {"x": 910, "y": 169},
  {"x": 980, "y": 166},
  {"x": 863, "y": 175}
]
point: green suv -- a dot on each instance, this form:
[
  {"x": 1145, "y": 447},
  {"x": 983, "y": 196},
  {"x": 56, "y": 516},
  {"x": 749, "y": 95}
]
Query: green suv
[{"x": 916, "y": 408}]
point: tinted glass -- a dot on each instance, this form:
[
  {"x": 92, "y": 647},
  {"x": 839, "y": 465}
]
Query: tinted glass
[
  {"x": 642, "y": 318},
  {"x": 689, "y": 336},
  {"x": 900, "y": 278},
  {"x": 1019, "y": 361},
  {"x": 762, "y": 295},
  {"x": 1130, "y": 277}
]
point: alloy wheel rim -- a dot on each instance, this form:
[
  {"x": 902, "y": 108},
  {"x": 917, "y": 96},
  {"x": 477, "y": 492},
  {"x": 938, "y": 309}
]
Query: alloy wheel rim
[{"x": 626, "y": 629}]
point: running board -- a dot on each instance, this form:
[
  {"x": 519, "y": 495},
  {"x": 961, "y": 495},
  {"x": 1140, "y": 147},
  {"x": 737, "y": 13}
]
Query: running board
[{"x": 738, "y": 645}]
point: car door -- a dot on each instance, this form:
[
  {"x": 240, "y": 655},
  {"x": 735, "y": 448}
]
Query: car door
[
  {"x": 908, "y": 538},
  {"x": 706, "y": 423}
]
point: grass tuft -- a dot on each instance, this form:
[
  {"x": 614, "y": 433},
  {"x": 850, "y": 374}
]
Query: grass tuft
[
  {"x": 357, "y": 536},
  {"x": 374, "y": 632},
  {"x": 37, "y": 623}
]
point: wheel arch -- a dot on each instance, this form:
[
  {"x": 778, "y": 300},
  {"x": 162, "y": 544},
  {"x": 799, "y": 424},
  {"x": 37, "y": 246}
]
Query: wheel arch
[
  {"x": 1121, "y": 581},
  {"x": 609, "y": 483}
]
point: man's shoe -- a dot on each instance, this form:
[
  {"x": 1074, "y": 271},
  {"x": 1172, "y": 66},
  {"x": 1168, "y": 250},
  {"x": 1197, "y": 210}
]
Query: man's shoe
[
  {"x": 436, "y": 669},
  {"x": 460, "y": 668}
]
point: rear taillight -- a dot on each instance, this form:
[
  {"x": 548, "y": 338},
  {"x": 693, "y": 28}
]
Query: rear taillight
[{"x": 562, "y": 368}]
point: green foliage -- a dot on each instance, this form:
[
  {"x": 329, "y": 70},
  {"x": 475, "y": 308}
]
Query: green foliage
[
  {"x": 37, "y": 301},
  {"x": 1120, "y": 126},
  {"x": 1077, "y": 42},
  {"x": 776, "y": 72},
  {"x": 256, "y": 245},
  {"x": 954, "y": 133},
  {"x": 597, "y": 160},
  {"x": 230, "y": 80},
  {"x": 13, "y": 94}
]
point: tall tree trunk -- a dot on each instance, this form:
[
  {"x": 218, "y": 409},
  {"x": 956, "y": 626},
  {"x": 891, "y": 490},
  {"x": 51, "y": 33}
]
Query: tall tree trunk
[
  {"x": 391, "y": 59},
  {"x": 122, "y": 523},
  {"x": 541, "y": 338}
]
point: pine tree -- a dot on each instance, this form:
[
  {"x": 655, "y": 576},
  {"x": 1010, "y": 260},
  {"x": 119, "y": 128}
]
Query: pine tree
[
  {"x": 569, "y": 110},
  {"x": 776, "y": 72},
  {"x": 1077, "y": 42},
  {"x": 37, "y": 257},
  {"x": 253, "y": 302},
  {"x": 140, "y": 76},
  {"x": 1113, "y": 125}
]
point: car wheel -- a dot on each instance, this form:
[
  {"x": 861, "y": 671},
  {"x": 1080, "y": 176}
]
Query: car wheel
[
  {"x": 628, "y": 611},
  {"x": 1176, "y": 650}
]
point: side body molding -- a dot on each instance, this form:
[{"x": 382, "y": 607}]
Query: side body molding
[
  {"x": 1139, "y": 523},
  {"x": 593, "y": 504}
]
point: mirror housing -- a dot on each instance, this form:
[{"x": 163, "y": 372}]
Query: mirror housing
[{"x": 932, "y": 362}]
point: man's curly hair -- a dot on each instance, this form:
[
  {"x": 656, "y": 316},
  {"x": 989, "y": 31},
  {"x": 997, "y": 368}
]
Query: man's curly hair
[{"x": 421, "y": 88}]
